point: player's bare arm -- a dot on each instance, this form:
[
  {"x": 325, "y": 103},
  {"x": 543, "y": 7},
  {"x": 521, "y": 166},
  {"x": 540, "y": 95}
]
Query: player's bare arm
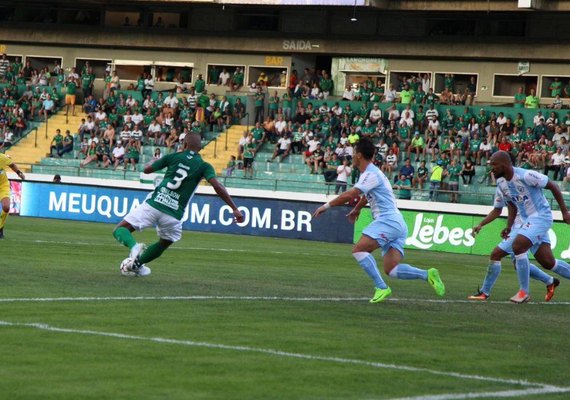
[
  {"x": 148, "y": 169},
  {"x": 553, "y": 187},
  {"x": 511, "y": 216},
  {"x": 355, "y": 212},
  {"x": 17, "y": 170},
  {"x": 225, "y": 196},
  {"x": 338, "y": 201},
  {"x": 493, "y": 215}
]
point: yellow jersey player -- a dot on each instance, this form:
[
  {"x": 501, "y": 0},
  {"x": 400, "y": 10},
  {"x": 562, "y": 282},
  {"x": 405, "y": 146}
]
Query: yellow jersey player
[{"x": 6, "y": 161}]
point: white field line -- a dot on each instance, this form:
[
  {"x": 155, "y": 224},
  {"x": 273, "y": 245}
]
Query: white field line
[
  {"x": 490, "y": 395},
  {"x": 257, "y": 298},
  {"x": 178, "y": 247},
  {"x": 279, "y": 353}
]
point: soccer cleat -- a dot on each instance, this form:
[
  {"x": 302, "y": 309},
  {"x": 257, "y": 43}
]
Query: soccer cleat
[
  {"x": 435, "y": 282},
  {"x": 380, "y": 295},
  {"x": 520, "y": 297},
  {"x": 478, "y": 296},
  {"x": 1, "y": 233},
  {"x": 143, "y": 271},
  {"x": 550, "y": 289}
]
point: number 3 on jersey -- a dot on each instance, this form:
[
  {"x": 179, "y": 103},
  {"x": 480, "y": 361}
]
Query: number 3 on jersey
[{"x": 181, "y": 174}]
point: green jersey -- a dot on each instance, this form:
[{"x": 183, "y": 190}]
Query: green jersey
[
  {"x": 454, "y": 173},
  {"x": 555, "y": 89},
  {"x": 184, "y": 171},
  {"x": 58, "y": 139},
  {"x": 71, "y": 88},
  {"x": 200, "y": 85},
  {"x": 326, "y": 85},
  {"x": 87, "y": 80},
  {"x": 248, "y": 150},
  {"x": 474, "y": 145},
  {"x": 257, "y": 133},
  {"x": 520, "y": 99}
]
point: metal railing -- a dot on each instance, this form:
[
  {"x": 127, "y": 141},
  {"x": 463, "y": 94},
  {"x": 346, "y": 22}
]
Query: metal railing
[{"x": 443, "y": 194}]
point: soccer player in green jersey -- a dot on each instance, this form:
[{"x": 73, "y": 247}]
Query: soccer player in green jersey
[{"x": 165, "y": 206}]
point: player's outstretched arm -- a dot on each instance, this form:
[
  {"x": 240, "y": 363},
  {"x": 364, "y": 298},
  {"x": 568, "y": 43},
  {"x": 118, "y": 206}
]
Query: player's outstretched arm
[
  {"x": 553, "y": 187},
  {"x": 338, "y": 201},
  {"x": 225, "y": 196},
  {"x": 493, "y": 215},
  {"x": 17, "y": 171}
]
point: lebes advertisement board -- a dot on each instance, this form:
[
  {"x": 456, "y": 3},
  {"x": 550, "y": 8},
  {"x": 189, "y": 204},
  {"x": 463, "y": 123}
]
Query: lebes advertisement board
[{"x": 453, "y": 233}]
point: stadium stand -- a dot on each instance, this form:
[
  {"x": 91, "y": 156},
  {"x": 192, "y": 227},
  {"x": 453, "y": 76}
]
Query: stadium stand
[{"x": 404, "y": 122}]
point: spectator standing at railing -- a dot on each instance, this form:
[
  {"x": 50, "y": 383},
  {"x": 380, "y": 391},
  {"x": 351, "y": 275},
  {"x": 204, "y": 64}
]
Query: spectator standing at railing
[
  {"x": 149, "y": 85},
  {"x": 200, "y": 84},
  {"x": 273, "y": 105},
  {"x": 404, "y": 185},
  {"x": 343, "y": 172},
  {"x": 237, "y": 79},
  {"x": 248, "y": 156},
  {"x": 453, "y": 171},
  {"x": 326, "y": 84},
  {"x": 87, "y": 81},
  {"x": 436, "y": 177},
  {"x": 259, "y": 101},
  {"x": 532, "y": 100}
]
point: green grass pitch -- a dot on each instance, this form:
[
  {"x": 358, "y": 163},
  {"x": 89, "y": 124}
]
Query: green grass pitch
[{"x": 261, "y": 318}]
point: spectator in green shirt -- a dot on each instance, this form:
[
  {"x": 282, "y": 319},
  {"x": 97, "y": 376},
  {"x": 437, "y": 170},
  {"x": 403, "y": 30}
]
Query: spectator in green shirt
[
  {"x": 200, "y": 84},
  {"x": 555, "y": 87},
  {"x": 404, "y": 185},
  {"x": 453, "y": 171},
  {"x": 520, "y": 98},
  {"x": 56, "y": 143}
]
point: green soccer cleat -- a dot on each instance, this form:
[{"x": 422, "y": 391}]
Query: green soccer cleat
[
  {"x": 435, "y": 282},
  {"x": 380, "y": 295}
]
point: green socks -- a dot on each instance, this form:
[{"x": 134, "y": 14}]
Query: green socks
[
  {"x": 124, "y": 237},
  {"x": 153, "y": 251}
]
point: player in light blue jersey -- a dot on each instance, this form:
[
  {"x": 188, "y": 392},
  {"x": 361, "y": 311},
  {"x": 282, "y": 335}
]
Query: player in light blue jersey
[
  {"x": 524, "y": 189},
  {"x": 506, "y": 248},
  {"x": 388, "y": 230}
]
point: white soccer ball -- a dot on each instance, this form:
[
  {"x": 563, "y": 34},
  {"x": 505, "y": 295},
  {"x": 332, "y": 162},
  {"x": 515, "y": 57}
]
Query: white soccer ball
[{"x": 124, "y": 268}]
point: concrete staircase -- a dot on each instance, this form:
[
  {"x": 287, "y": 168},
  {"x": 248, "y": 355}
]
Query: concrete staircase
[
  {"x": 222, "y": 156},
  {"x": 25, "y": 153}
]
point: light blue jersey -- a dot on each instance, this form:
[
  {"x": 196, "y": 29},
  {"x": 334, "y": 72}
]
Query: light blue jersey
[
  {"x": 525, "y": 191},
  {"x": 388, "y": 228},
  {"x": 378, "y": 190}
]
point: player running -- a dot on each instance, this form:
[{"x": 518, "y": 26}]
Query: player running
[
  {"x": 5, "y": 162},
  {"x": 523, "y": 188},
  {"x": 505, "y": 248},
  {"x": 165, "y": 206},
  {"x": 388, "y": 230}
]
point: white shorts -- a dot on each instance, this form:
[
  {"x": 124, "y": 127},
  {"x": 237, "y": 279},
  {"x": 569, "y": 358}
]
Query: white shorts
[{"x": 145, "y": 216}]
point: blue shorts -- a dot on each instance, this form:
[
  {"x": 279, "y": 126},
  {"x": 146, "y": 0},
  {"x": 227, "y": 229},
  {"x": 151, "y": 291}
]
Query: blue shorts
[
  {"x": 536, "y": 229},
  {"x": 507, "y": 244},
  {"x": 389, "y": 231}
]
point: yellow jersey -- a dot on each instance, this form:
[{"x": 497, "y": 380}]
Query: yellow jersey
[{"x": 5, "y": 161}]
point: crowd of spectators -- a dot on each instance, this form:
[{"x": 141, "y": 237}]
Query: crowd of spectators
[
  {"x": 117, "y": 124},
  {"x": 446, "y": 149},
  {"x": 416, "y": 146}
]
